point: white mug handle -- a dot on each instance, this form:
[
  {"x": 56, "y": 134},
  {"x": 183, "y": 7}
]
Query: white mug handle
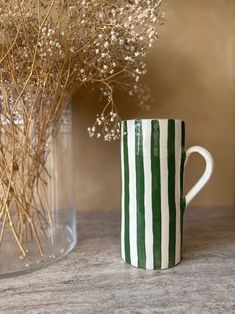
[{"x": 207, "y": 174}]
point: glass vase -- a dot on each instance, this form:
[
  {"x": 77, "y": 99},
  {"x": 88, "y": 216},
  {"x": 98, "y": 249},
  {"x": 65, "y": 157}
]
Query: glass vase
[{"x": 38, "y": 216}]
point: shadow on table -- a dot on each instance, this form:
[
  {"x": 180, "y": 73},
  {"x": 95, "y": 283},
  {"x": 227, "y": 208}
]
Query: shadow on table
[
  {"x": 100, "y": 224},
  {"x": 208, "y": 232}
]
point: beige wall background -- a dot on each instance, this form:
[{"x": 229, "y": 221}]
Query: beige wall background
[{"x": 191, "y": 76}]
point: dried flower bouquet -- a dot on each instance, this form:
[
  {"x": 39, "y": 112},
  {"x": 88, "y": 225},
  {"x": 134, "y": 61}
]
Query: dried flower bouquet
[{"x": 48, "y": 50}]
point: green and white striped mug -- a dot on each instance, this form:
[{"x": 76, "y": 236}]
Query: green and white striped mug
[{"x": 153, "y": 159}]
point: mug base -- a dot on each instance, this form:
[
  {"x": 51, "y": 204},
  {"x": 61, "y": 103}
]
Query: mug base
[{"x": 150, "y": 269}]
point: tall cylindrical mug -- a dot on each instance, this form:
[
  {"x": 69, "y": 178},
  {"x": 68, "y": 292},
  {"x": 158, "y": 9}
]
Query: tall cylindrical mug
[{"x": 153, "y": 159}]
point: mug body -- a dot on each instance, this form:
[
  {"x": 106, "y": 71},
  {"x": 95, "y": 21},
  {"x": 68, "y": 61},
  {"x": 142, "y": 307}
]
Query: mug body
[{"x": 152, "y": 162}]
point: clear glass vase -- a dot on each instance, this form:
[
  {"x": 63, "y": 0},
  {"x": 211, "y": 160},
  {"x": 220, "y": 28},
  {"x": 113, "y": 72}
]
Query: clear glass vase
[{"x": 37, "y": 226}]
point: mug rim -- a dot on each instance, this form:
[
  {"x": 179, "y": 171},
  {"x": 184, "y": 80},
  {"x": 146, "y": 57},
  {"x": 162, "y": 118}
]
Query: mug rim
[{"x": 139, "y": 119}]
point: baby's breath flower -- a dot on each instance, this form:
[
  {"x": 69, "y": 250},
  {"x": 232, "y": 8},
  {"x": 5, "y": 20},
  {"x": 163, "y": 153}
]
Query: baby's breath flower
[{"x": 79, "y": 43}]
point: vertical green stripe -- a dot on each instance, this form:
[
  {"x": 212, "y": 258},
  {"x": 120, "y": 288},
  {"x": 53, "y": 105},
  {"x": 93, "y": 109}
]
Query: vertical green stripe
[
  {"x": 182, "y": 158},
  {"x": 182, "y": 199},
  {"x": 140, "y": 195},
  {"x": 126, "y": 194},
  {"x": 171, "y": 191},
  {"x": 156, "y": 193}
]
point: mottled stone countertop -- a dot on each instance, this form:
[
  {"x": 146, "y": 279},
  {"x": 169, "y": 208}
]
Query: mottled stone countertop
[{"x": 93, "y": 279}]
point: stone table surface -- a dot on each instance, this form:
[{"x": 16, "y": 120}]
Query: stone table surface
[{"x": 93, "y": 279}]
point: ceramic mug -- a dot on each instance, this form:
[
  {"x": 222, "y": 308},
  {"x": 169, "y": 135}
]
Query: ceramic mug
[{"x": 153, "y": 161}]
